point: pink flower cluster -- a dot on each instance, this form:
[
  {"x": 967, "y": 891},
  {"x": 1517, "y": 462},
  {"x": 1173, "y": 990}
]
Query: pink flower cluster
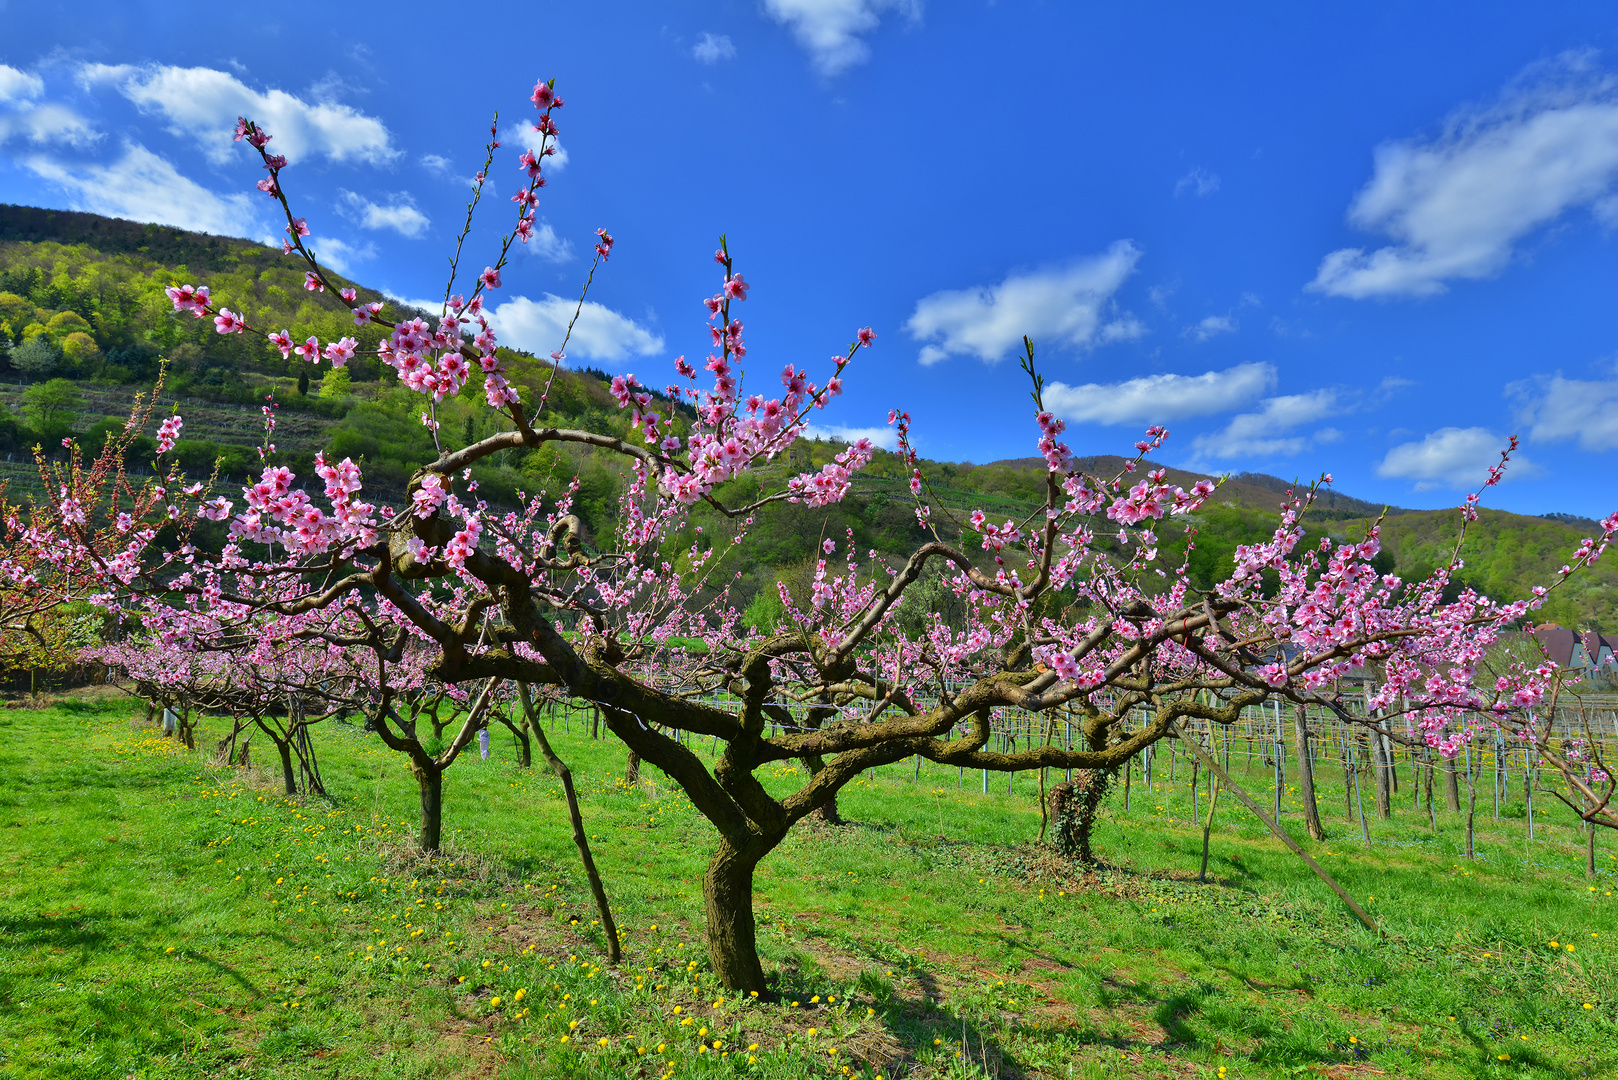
[
  {"x": 168, "y": 432},
  {"x": 190, "y": 298}
]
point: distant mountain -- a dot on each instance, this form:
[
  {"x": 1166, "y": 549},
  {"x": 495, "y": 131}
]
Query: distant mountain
[{"x": 1258, "y": 491}]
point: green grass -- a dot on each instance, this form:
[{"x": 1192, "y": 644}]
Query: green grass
[{"x": 161, "y": 918}]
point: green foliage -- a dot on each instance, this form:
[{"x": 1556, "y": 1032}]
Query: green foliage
[
  {"x": 51, "y": 405},
  {"x": 335, "y": 384},
  {"x": 766, "y": 612},
  {"x": 80, "y": 348},
  {"x": 1505, "y": 556},
  {"x": 36, "y": 357}
]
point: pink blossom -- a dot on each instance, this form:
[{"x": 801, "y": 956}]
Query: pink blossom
[
  {"x": 228, "y": 322},
  {"x": 312, "y": 282},
  {"x": 736, "y": 288},
  {"x": 339, "y": 352},
  {"x": 168, "y": 433},
  {"x": 490, "y": 277}
]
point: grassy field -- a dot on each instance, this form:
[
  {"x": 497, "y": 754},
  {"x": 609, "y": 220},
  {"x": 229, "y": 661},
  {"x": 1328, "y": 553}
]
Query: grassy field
[{"x": 162, "y": 918}]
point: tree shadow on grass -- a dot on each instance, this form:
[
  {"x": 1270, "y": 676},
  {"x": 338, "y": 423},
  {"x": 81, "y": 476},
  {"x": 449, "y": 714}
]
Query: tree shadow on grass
[
  {"x": 911, "y": 1028},
  {"x": 1519, "y": 1056},
  {"x": 89, "y": 937}
]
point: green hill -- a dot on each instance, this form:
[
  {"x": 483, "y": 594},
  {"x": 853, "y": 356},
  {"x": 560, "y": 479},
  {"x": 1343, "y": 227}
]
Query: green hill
[{"x": 91, "y": 290}]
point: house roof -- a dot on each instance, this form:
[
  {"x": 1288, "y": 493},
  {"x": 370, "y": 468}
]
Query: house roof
[{"x": 1559, "y": 643}]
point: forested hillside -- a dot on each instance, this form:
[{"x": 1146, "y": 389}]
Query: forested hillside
[{"x": 84, "y": 323}]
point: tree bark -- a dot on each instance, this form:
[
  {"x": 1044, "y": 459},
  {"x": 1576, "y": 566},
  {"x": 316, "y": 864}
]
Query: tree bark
[
  {"x": 727, "y": 892},
  {"x": 431, "y": 783},
  {"x": 289, "y": 775},
  {"x": 632, "y": 770},
  {"x": 1452, "y": 787},
  {"x": 1306, "y": 777},
  {"x": 826, "y": 812},
  {"x": 1073, "y": 812}
]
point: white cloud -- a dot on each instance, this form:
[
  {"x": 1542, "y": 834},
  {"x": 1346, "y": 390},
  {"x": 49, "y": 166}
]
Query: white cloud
[
  {"x": 203, "y": 103},
  {"x": 1457, "y": 204},
  {"x": 599, "y": 334},
  {"x": 400, "y": 213},
  {"x": 545, "y": 244},
  {"x": 832, "y": 31},
  {"x": 141, "y": 186},
  {"x": 340, "y": 256},
  {"x": 19, "y": 85},
  {"x": 885, "y": 437},
  {"x": 714, "y": 48},
  {"x": 1212, "y": 326},
  {"x": 1574, "y": 409},
  {"x": 1154, "y": 399},
  {"x": 435, "y": 163},
  {"x": 1265, "y": 433},
  {"x": 1071, "y": 306},
  {"x": 48, "y": 123},
  {"x": 522, "y": 136},
  {"x": 1450, "y": 458},
  {"x": 1199, "y": 182}
]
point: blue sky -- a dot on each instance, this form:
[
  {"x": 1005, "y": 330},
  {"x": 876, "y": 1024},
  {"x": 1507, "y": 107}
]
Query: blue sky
[{"x": 1374, "y": 241}]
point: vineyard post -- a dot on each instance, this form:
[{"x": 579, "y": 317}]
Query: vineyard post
[{"x": 1306, "y": 775}]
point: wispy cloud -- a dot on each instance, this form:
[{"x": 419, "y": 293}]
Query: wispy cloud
[
  {"x": 1265, "y": 433},
  {"x": 1068, "y": 306},
  {"x": 19, "y": 85},
  {"x": 141, "y": 186},
  {"x": 1451, "y": 457},
  {"x": 399, "y": 213},
  {"x": 203, "y": 104},
  {"x": 885, "y": 437},
  {"x": 340, "y": 256},
  {"x": 600, "y": 333},
  {"x": 1210, "y": 327},
  {"x": 1457, "y": 204},
  {"x": 1154, "y": 399},
  {"x": 521, "y": 135},
  {"x": 833, "y": 31},
  {"x": 712, "y": 48},
  {"x": 1199, "y": 182},
  {"x": 1560, "y": 410},
  {"x": 47, "y": 124}
]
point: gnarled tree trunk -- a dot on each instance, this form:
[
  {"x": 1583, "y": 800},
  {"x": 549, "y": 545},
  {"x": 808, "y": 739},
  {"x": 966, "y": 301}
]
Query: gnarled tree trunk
[
  {"x": 1074, "y": 806},
  {"x": 727, "y": 892}
]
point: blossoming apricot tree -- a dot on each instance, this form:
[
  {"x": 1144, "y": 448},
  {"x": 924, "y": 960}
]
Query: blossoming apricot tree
[{"x": 1075, "y": 610}]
